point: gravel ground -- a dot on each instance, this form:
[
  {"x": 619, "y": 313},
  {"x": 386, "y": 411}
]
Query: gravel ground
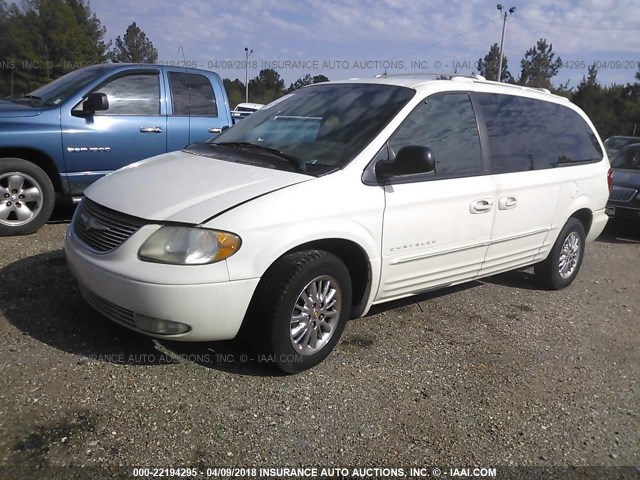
[{"x": 495, "y": 372}]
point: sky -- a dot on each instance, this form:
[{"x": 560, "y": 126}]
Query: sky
[{"x": 361, "y": 38}]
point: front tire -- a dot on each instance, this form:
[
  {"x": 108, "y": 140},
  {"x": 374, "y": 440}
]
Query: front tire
[
  {"x": 27, "y": 197},
  {"x": 564, "y": 261},
  {"x": 301, "y": 309}
]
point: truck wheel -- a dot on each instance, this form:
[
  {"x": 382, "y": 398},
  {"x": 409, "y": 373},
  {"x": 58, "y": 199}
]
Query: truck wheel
[
  {"x": 26, "y": 197},
  {"x": 303, "y": 304},
  {"x": 564, "y": 261}
]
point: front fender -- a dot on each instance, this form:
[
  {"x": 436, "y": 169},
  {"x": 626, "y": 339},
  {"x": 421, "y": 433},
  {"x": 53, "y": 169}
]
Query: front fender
[{"x": 321, "y": 209}]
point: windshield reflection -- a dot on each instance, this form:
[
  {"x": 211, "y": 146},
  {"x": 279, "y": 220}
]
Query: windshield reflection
[{"x": 325, "y": 126}]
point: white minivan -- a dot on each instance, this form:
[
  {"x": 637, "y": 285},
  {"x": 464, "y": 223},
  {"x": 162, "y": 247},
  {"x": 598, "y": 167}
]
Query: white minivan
[{"x": 334, "y": 198}]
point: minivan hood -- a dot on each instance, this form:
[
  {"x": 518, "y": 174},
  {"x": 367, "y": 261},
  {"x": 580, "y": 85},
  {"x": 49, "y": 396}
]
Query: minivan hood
[
  {"x": 15, "y": 110},
  {"x": 185, "y": 187}
]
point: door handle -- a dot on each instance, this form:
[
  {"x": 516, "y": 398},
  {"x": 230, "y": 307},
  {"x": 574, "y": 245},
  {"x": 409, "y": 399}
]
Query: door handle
[
  {"x": 481, "y": 206},
  {"x": 150, "y": 130},
  {"x": 218, "y": 129},
  {"x": 507, "y": 203}
]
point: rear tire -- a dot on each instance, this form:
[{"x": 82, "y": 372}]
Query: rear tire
[
  {"x": 564, "y": 261},
  {"x": 27, "y": 197},
  {"x": 300, "y": 310}
]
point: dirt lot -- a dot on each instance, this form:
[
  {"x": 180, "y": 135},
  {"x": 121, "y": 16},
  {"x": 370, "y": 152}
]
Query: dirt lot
[{"x": 496, "y": 372}]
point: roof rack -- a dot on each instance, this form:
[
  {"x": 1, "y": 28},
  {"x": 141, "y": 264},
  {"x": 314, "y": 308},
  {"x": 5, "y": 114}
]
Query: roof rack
[
  {"x": 431, "y": 74},
  {"x": 474, "y": 77}
]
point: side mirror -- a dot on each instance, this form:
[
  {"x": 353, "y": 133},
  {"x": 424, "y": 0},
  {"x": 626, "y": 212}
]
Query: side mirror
[
  {"x": 410, "y": 160},
  {"x": 95, "y": 102}
]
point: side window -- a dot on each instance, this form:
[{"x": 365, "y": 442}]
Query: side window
[
  {"x": 192, "y": 94},
  {"x": 527, "y": 134},
  {"x": 572, "y": 137},
  {"x": 132, "y": 95},
  {"x": 447, "y": 125}
]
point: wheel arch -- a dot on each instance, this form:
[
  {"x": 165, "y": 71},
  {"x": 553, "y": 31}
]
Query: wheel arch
[
  {"x": 585, "y": 216},
  {"x": 357, "y": 262},
  {"x": 39, "y": 159}
]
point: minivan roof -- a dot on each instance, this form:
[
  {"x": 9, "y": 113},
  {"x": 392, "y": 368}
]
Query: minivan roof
[{"x": 416, "y": 80}]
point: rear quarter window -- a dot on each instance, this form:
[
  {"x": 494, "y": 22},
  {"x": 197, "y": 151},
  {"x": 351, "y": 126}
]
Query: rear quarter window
[{"x": 530, "y": 134}]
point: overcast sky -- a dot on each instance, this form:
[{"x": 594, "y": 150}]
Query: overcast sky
[{"x": 329, "y": 36}]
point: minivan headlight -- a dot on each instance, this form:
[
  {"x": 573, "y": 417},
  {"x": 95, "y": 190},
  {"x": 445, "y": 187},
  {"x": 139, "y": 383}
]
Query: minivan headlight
[{"x": 188, "y": 246}]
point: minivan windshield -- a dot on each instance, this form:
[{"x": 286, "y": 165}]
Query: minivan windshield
[
  {"x": 56, "y": 92},
  {"x": 319, "y": 128}
]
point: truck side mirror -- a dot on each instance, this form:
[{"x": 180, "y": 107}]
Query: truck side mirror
[
  {"x": 410, "y": 160},
  {"x": 95, "y": 102}
]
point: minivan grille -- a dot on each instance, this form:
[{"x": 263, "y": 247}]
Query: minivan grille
[
  {"x": 102, "y": 229},
  {"x": 110, "y": 310},
  {"x": 622, "y": 194}
]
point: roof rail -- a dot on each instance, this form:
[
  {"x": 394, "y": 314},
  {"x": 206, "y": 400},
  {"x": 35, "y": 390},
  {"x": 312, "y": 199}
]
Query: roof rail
[
  {"x": 430, "y": 74},
  {"x": 474, "y": 77},
  {"x": 520, "y": 87}
]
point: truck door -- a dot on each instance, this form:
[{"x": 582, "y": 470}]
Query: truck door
[
  {"x": 132, "y": 128},
  {"x": 194, "y": 111}
]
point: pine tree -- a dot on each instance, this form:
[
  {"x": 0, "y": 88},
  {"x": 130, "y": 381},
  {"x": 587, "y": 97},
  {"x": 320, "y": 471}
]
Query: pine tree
[
  {"x": 488, "y": 66},
  {"x": 539, "y": 65},
  {"x": 135, "y": 47}
]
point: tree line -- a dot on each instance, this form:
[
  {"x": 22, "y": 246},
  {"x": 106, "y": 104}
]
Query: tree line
[
  {"x": 613, "y": 109},
  {"x": 41, "y": 40}
]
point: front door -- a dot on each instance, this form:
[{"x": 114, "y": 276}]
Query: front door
[
  {"x": 437, "y": 226},
  {"x": 133, "y": 128}
]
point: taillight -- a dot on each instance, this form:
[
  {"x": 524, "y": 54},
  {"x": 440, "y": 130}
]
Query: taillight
[{"x": 610, "y": 178}]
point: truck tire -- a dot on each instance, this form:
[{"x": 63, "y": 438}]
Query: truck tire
[{"x": 27, "y": 197}]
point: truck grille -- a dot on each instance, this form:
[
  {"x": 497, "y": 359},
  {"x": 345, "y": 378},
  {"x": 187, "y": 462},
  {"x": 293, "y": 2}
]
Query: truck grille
[
  {"x": 622, "y": 194},
  {"x": 110, "y": 310},
  {"x": 102, "y": 229}
]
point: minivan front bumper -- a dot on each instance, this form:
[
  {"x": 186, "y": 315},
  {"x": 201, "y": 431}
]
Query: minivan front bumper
[{"x": 212, "y": 311}]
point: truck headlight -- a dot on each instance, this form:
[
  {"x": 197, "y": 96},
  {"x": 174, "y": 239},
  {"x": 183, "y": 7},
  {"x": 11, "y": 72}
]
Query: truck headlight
[{"x": 188, "y": 246}]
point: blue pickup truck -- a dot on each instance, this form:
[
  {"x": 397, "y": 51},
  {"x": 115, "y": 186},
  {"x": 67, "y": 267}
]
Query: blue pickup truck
[{"x": 62, "y": 137}]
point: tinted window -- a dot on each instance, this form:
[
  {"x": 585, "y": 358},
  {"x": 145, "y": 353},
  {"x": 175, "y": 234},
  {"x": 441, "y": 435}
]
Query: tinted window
[
  {"x": 527, "y": 134},
  {"x": 192, "y": 95},
  {"x": 132, "y": 95},
  {"x": 447, "y": 125}
]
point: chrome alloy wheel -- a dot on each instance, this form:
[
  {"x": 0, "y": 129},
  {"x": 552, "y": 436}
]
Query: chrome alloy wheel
[
  {"x": 20, "y": 198},
  {"x": 315, "y": 315},
  {"x": 569, "y": 255}
]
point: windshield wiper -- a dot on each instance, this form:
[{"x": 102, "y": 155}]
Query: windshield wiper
[{"x": 295, "y": 162}]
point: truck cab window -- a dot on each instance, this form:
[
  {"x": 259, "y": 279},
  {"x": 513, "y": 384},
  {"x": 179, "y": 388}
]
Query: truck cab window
[
  {"x": 192, "y": 94},
  {"x": 132, "y": 95}
]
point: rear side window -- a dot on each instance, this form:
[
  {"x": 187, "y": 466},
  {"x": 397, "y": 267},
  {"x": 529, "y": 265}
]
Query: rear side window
[
  {"x": 528, "y": 134},
  {"x": 137, "y": 94},
  {"x": 447, "y": 125},
  {"x": 192, "y": 94}
]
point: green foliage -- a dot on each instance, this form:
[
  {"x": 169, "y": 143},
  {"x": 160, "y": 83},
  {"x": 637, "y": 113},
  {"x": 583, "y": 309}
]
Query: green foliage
[
  {"x": 235, "y": 91},
  {"x": 488, "y": 66},
  {"x": 135, "y": 47},
  {"x": 266, "y": 87},
  {"x": 614, "y": 110},
  {"x": 306, "y": 80},
  {"x": 539, "y": 65},
  {"x": 40, "y": 40}
]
